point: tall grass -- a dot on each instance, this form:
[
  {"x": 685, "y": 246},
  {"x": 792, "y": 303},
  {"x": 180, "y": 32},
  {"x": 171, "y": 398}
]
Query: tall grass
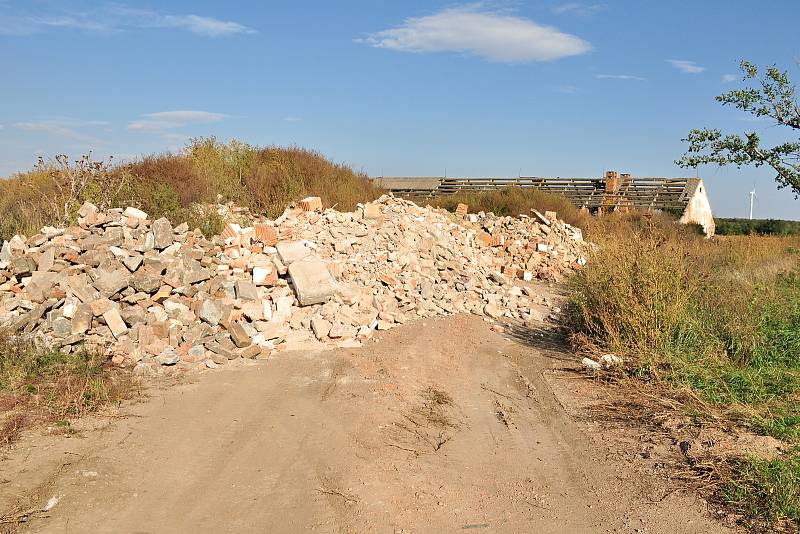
[
  {"x": 174, "y": 185},
  {"x": 720, "y": 318}
]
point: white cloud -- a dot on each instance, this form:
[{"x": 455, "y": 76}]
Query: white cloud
[
  {"x": 619, "y": 77},
  {"x": 728, "y": 78},
  {"x": 487, "y": 34},
  {"x": 683, "y": 65},
  {"x": 113, "y": 18},
  {"x": 65, "y": 128},
  {"x": 292, "y": 119},
  {"x": 204, "y": 25},
  {"x": 168, "y": 120},
  {"x": 578, "y": 8}
]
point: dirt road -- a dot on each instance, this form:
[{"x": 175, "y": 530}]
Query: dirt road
[{"x": 439, "y": 427}]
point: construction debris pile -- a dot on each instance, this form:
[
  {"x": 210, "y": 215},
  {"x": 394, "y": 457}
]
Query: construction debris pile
[{"x": 149, "y": 294}]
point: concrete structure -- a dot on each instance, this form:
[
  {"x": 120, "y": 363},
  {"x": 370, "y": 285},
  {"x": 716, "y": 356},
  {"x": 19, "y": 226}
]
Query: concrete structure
[{"x": 614, "y": 192}]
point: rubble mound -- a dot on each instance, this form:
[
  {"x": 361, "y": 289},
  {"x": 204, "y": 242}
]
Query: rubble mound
[{"x": 150, "y": 295}]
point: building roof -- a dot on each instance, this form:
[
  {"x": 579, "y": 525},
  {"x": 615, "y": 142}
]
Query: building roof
[
  {"x": 400, "y": 184},
  {"x": 640, "y": 193}
]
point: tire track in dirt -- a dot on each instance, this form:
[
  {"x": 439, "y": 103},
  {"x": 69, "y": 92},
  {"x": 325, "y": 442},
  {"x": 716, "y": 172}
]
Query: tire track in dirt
[{"x": 311, "y": 442}]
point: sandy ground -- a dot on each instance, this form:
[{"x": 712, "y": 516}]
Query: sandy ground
[{"x": 441, "y": 426}]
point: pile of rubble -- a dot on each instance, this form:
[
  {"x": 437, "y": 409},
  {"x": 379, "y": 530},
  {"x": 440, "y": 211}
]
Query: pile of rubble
[{"x": 150, "y": 294}]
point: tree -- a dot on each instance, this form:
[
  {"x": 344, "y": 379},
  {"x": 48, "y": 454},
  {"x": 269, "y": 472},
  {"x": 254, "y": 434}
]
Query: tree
[{"x": 771, "y": 95}]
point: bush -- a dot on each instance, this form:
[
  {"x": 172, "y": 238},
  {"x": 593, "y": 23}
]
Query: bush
[
  {"x": 722, "y": 318},
  {"x": 265, "y": 180},
  {"x": 757, "y": 226},
  {"x": 513, "y": 201}
]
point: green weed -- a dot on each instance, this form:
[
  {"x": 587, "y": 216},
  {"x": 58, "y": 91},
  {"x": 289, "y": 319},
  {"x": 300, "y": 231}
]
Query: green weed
[
  {"x": 721, "y": 318},
  {"x": 767, "y": 490}
]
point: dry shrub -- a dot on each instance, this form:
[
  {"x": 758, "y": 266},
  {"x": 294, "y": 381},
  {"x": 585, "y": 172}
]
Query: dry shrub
[
  {"x": 513, "y": 201},
  {"x": 281, "y": 175},
  {"x": 172, "y": 171},
  {"x": 21, "y": 208},
  {"x": 636, "y": 293},
  {"x": 171, "y": 185}
]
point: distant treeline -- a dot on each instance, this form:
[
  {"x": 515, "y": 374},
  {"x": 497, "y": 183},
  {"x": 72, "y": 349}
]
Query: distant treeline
[{"x": 757, "y": 226}]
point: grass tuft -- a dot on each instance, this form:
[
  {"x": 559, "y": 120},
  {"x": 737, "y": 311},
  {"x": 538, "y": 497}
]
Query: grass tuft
[
  {"x": 43, "y": 384},
  {"x": 766, "y": 490}
]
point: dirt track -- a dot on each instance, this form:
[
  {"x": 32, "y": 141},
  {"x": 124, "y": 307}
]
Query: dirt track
[{"x": 440, "y": 427}]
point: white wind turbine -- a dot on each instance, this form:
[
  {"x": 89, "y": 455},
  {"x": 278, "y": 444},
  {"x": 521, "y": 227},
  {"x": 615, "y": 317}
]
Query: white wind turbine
[{"x": 752, "y": 195}]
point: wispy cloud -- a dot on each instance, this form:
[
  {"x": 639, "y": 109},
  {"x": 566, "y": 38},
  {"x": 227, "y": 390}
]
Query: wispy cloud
[
  {"x": 292, "y": 119},
  {"x": 567, "y": 89},
  {"x": 64, "y": 128},
  {"x": 578, "y": 8},
  {"x": 728, "y": 78},
  {"x": 619, "y": 77},
  {"x": 683, "y": 65},
  {"x": 488, "y": 34},
  {"x": 170, "y": 120},
  {"x": 115, "y": 18}
]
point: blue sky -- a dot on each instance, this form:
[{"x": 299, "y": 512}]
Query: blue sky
[{"x": 547, "y": 88}]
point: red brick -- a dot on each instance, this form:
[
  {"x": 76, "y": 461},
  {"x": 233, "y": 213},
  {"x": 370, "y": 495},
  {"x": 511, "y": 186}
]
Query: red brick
[
  {"x": 485, "y": 238},
  {"x": 232, "y": 230},
  {"x": 266, "y": 234},
  {"x": 311, "y": 204}
]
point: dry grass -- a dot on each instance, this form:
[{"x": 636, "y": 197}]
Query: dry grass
[
  {"x": 43, "y": 385},
  {"x": 173, "y": 185}
]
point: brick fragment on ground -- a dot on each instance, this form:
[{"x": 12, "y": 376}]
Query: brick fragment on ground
[{"x": 311, "y": 204}]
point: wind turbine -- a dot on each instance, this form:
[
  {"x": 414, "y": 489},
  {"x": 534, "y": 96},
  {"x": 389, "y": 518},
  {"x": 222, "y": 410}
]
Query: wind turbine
[{"x": 752, "y": 195}]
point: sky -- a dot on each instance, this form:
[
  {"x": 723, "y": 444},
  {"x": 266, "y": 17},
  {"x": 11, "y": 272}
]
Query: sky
[{"x": 411, "y": 88}]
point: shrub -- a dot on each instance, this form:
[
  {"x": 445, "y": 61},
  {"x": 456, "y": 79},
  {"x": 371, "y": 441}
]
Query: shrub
[
  {"x": 756, "y": 226},
  {"x": 513, "y": 201},
  {"x": 719, "y": 318},
  {"x": 281, "y": 175},
  {"x": 207, "y": 219},
  {"x": 169, "y": 185}
]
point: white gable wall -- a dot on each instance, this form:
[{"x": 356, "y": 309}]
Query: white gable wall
[{"x": 698, "y": 211}]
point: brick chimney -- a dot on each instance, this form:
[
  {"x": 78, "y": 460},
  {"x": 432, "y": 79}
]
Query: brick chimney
[{"x": 612, "y": 182}]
